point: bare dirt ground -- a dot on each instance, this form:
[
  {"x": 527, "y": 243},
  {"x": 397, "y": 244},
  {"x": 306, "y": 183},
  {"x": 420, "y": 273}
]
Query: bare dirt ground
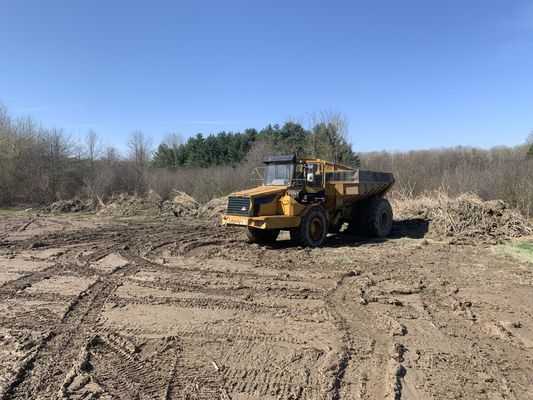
[{"x": 103, "y": 308}]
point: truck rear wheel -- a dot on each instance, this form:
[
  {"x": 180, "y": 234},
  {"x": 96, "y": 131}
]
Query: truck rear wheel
[
  {"x": 380, "y": 219},
  {"x": 262, "y": 235},
  {"x": 373, "y": 219},
  {"x": 313, "y": 229}
]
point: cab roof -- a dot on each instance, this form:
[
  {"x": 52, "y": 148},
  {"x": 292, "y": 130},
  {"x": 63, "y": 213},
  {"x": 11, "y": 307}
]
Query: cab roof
[
  {"x": 279, "y": 159},
  {"x": 293, "y": 159}
]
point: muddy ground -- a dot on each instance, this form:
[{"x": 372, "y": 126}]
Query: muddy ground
[{"x": 102, "y": 308}]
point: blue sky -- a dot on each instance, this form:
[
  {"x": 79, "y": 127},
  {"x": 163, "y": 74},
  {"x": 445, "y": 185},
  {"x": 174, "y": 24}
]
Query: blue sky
[{"x": 407, "y": 74}]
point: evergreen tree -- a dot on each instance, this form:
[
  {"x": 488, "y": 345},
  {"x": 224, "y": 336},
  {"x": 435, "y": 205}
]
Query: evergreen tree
[
  {"x": 328, "y": 143},
  {"x": 229, "y": 148}
]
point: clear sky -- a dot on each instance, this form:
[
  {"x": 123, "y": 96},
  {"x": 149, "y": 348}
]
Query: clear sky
[{"x": 407, "y": 74}]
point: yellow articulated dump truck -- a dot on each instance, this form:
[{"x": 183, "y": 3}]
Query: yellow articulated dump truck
[{"x": 309, "y": 198}]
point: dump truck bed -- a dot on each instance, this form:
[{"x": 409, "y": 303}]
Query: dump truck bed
[{"x": 355, "y": 185}]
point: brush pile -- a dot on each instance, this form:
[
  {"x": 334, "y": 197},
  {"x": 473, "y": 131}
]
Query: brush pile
[
  {"x": 465, "y": 219},
  {"x": 152, "y": 205},
  {"x": 213, "y": 209},
  {"x": 64, "y": 206},
  {"x": 181, "y": 205}
]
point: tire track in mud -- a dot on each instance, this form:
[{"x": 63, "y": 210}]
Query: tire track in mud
[
  {"x": 192, "y": 371},
  {"x": 116, "y": 364},
  {"x": 196, "y": 377},
  {"x": 286, "y": 324},
  {"x": 14, "y": 228},
  {"x": 365, "y": 346},
  {"x": 278, "y": 382},
  {"x": 62, "y": 264},
  {"x": 43, "y": 373},
  {"x": 25, "y": 226},
  {"x": 347, "y": 350},
  {"x": 10, "y": 288}
]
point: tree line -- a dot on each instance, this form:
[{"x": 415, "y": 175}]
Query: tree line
[
  {"x": 39, "y": 165},
  {"x": 325, "y": 139}
]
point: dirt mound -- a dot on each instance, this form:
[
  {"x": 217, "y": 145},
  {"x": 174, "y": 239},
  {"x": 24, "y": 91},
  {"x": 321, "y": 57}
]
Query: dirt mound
[
  {"x": 213, "y": 209},
  {"x": 182, "y": 205},
  {"x": 125, "y": 205},
  {"x": 464, "y": 219},
  {"x": 63, "y": 206}
]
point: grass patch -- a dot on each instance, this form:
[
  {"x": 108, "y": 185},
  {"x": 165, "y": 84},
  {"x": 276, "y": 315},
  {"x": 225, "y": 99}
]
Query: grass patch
[
  {"x": 37, "y": 213},
  {"x": 522, "y": 251},
  {"x": 16, "y": 213},
  {"x": 340, "y": 260}
]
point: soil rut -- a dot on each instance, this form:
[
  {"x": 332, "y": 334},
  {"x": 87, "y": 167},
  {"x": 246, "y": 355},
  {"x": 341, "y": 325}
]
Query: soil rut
[{"x": 185, "y": 310}]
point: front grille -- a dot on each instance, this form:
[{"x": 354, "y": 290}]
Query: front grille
[{"x": 239, "y": 205}]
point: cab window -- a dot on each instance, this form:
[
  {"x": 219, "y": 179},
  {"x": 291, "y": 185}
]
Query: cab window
[
  {"x": 278, "y": 174},
  {"x": 315, "y": 175}
]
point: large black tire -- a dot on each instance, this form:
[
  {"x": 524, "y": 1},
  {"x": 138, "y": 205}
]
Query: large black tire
[
  {"x": 268, "y": 236},
  {"x": 380, "y": 218},
  {"x": 373, "y": 219},
  {"x": 313, "y": 229}
]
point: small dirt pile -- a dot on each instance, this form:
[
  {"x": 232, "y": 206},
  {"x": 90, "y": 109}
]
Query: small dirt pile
[
  {"x": 125, "y": 205},
  {"x": 64, "y": 206},
  {"x": 464, "y": 219},
  {"x": 181, "y": 205},
  {"x": 213, "y": 209}
]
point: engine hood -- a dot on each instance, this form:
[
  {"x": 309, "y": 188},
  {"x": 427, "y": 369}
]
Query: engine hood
[{"x": 261, "y": 191}]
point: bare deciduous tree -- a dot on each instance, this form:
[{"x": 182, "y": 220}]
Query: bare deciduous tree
[
  {"x": 57, "y": 149},
  {"x": 529, "y": 142},
  {"x": 329, "y": 138},
  {"x": 140, "y": 151},
  {"x": 173, "y": 140},
  {"x": 529, "y": 139},
  {"x": 92, "y": 152},
  {"x": 5, "y": 120},
  {"x": 140, "y": 147}
]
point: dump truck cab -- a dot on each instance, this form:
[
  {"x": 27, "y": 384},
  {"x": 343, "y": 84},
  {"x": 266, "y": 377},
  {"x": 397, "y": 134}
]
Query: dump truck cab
[{"x": 307, "y": 197}]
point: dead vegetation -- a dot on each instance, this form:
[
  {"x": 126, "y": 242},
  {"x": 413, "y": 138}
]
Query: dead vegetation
[
  {"x": 498, "y": 173},
  {"x": 64, "y": 206},
  {"x": 152, "y": 205},
  {"x": 213, "y": 209},
  {"x": 463, "y": 219},
  {"x": 39, "y": 166}
]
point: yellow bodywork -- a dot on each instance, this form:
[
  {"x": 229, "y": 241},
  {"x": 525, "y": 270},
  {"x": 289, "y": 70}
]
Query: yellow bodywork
[
  {"x": 279, "y": 213},
  {"x": 282, "y": 211},
  {"x": 263, "y": 222},
  {"x": 270, "y": 207}
]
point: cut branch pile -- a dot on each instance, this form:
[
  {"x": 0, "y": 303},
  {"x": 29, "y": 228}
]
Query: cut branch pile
[{"x": 465, "y": 219}]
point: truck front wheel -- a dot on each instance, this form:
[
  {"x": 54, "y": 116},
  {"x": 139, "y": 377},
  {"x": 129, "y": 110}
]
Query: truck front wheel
[
  {"x": 313, "y": 229},
  {"x": 262, "y": 235}
]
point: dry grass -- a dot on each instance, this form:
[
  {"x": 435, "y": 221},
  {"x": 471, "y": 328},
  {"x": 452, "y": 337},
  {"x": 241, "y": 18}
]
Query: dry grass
[
  {"x": 465, "y": 217},
  {"x": 499, "y": 173}
]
